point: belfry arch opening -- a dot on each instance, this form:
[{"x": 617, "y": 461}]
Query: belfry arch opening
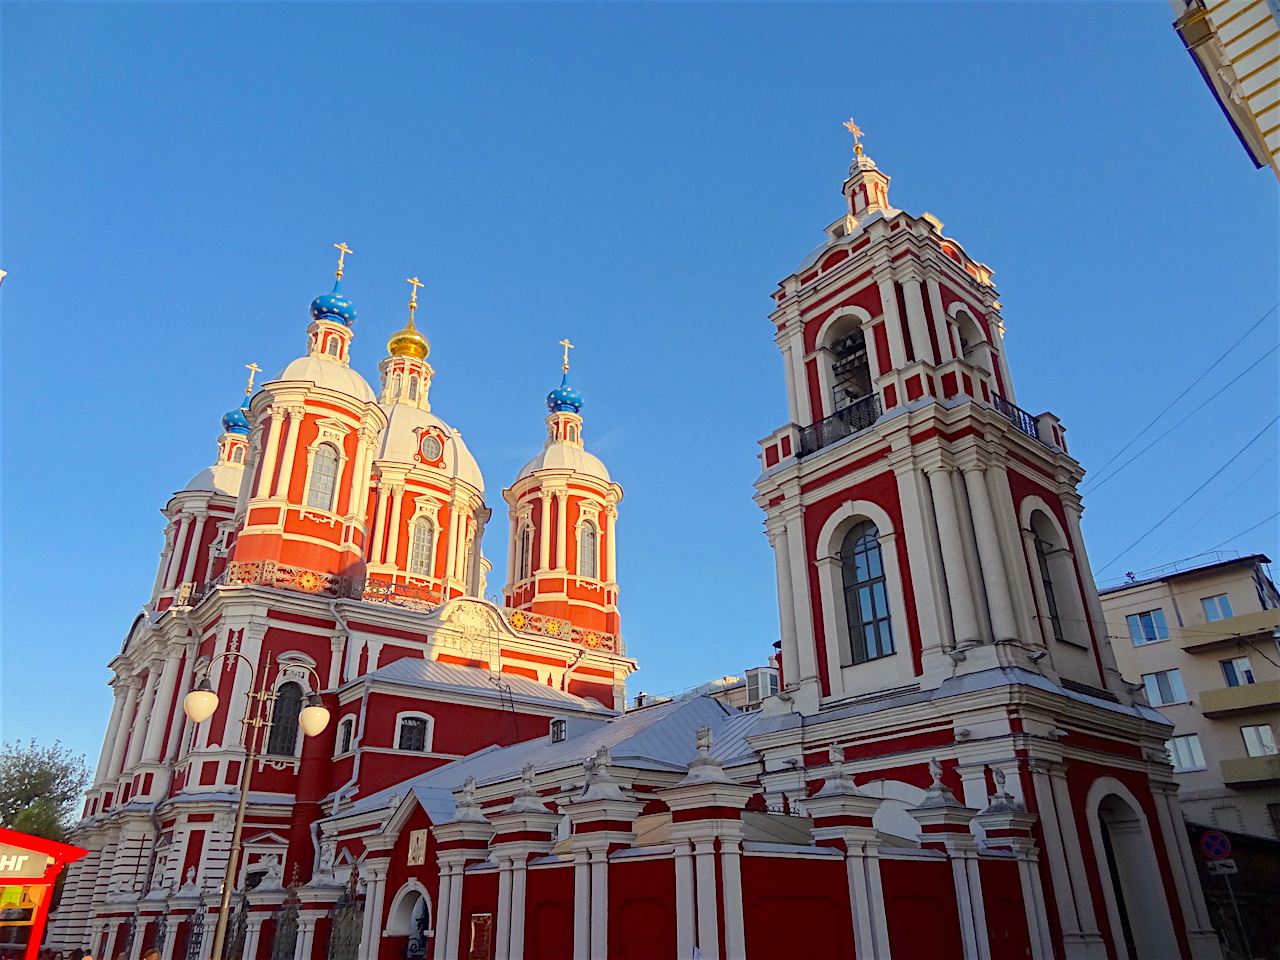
[
  {"x": 1062, "y": 612},
  {"x": 1136, "y": 905},
  {"x": 845, "y": 348},
  {"x": 974, "y": 346}
]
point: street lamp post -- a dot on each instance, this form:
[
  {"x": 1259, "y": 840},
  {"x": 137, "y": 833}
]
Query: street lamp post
[{"x": 199, "y": 706}]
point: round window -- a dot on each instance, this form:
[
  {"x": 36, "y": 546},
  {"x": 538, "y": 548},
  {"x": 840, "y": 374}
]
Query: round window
[{"x": 431, "y": 447}]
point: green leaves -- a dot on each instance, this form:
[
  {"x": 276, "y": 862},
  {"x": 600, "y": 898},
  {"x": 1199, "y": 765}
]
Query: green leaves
[{"x": 39, "y": 787}]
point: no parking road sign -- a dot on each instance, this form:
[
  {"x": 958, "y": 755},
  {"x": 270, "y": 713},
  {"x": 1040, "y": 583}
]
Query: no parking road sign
[{"x": 1216, "y": 845}]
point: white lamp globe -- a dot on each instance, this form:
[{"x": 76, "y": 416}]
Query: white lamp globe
[
  {"x": 199, "y": 705},
  {"x": 313, "y": 720}
]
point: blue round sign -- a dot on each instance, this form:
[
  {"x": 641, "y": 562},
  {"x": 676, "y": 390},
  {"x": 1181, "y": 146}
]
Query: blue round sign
[{"x": 1216, "y": 846}]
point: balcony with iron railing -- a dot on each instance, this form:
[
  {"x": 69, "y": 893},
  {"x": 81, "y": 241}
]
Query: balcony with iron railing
[
  {"x": 855, "y": 418},
  {"x": 1023, "y": 421}
]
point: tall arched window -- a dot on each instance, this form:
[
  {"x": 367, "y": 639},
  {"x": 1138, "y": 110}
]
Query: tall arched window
[
  {"x": 421, "y": 548},
  {"x": 413, "y": 388},
  {"x": 335, "y": 346},
  {"x": 524, "y": 554},
  {"x": 588, "y": 551},
  {"x": 1046, "y": 579},
  {"x": 284, "y": 720},
  {"x": 866, "y": 598},
  {"x": 324, "y": 477}
]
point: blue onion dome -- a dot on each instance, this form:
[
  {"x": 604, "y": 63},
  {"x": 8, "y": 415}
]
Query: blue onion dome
[
  {"x": 235, "y": 421},
  {"x": 564, "y": 398},
  {"x": 333, "y": 306}
]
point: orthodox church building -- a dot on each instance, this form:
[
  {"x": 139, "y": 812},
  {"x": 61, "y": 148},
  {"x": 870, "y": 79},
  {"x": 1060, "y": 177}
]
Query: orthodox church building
[{"x": 949, "y": 767}]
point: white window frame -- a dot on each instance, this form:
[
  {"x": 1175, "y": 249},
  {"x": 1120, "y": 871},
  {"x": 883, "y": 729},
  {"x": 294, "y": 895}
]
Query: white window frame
[
  {"x": 1216, "y": 604},
  {"x": 350, "y": 724},
  {"x": 1156, "y": 628},
  {"x": 429, "y": 737},
  {"x": 1186, "y": 747},
  {"x": 558, "y": 730},
  {"x": 584, "y": 525},
  {"x": 1243, "y": 677},
  {"x": 423, "y": 519},
  {"x": 335, "y": 434},
  {"x": 1172, "y": 679},
  {"x": 524, "y": 550},
  {"x": 765, "y": 682},
  {"x": 1261, "y": 743}
]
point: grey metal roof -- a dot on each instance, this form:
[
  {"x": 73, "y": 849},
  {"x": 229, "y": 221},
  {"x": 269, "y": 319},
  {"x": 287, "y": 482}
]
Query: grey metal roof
[
  {"x": 655, "y": 738},
  {"x": 474, "y": 681}
]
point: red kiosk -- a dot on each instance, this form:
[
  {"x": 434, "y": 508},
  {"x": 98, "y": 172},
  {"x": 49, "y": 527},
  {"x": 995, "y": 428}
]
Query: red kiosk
[{"x": 29, "y": 866}]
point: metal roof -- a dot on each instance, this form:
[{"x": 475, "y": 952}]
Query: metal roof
[{"x": 475, "y": 681}]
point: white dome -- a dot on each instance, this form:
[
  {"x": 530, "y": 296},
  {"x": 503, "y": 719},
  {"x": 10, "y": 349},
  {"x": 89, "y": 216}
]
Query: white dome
[
  {"x": 221, "y": 478},
  {"x": 563, "y": 456},
  {"x": 403, "y": 434},
  {"x": 328, "y": 373}
]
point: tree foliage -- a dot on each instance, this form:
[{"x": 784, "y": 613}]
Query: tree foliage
[{"x": 40, "y": 787}]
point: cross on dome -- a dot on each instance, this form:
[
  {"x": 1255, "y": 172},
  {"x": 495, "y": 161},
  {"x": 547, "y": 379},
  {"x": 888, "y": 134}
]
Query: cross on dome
[
  {"x": 564, "y": 399},
  {"x": 343, "y": 250},
  {"x": 334, "y": 306},
  {"x": 409, "y": 342}
]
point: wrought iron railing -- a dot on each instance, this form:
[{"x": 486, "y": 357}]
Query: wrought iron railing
[
  {"x": 843, "y": 423},
  {"x": 1017, "y": 416}
]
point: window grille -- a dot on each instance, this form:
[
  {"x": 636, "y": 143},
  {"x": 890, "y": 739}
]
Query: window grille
[
  {"x": 413, "y": 734},
  {"x": 284, "y": 720}
]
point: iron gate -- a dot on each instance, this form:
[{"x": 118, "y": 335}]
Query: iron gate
[
  {"x": 284, "y": 939},
  {"x": 195, "y": 935}
]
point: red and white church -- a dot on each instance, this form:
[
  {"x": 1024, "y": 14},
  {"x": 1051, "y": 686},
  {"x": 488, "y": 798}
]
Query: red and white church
[{"x": 952, "y": 767}]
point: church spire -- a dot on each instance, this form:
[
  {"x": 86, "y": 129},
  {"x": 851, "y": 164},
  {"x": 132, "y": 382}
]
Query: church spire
[
  {"x": 332, "y": 315},
  {"x": 406, "y": 375},
  {"x": 867, "y": 189}
]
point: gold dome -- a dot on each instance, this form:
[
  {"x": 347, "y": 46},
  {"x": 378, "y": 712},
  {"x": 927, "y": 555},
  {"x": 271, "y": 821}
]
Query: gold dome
[{"x": 409, "y": 343}]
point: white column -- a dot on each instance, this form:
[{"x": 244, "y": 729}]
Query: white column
[
  {"x": 611, "y": 544},
  {"x": 166, "y": 558},
  {"x": 306, "y": 937},
  {"x": 704, "y": 857},
  {"x": 519, "y": 886},
  {"x": 735, "y": 937},
  {"x": 376, "y": 551},
  {"x": 180, "y": 540},
  {"x": 393, "y": 534},
  {"x": 685, "y": 913},
  {"x": 599, "y": 904},
  {"x": 940, "y": 325},
  {"x": 375, "y": 873},
  {"x": 806, "y": 641},
  {"x": 113, "y": 728},
  {"x": 193, "y": 549},
  {"x": 786, "y": 603},
  {"x": 582, "y": 905},
  {"x": 892, "y": 324},
  {"x": 295, "y": 415},
  {"x": 562, "y": 528},
  {"x": 452, "y": 570},
  {"x": 361, "y": 477},
  {"x": 441, "y": 919},
  {"x": 1003, "y": 624},
  {"x": 502, "y": 935},
  {"x": 916, "y": 319},
  {"x": 963, "y": 616},
  {"x": 253, "y": 930},
  {"x": 803, "y": 412},
  {"x": 160, "y": 709},
  {"x": 174, "y": 743},
  {"x": 144, "y": 718},
  {"x": 544, "y": 532},
  {"x": 270, "y": 454}
]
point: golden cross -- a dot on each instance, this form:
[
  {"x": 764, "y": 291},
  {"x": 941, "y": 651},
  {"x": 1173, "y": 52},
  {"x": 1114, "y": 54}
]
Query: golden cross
[
  {"x": 343, "y": 250},
  {"x": 413, "y": 296},
  {"x": 857, "y": 133},
  {"x": 567, "y": 347},
  {"x": 253, "y": 369}
]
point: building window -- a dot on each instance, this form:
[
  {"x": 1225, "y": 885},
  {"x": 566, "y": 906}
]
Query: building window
[
  {"x": 413, "y": 388},
  {"x": 1237, "y": 671},
  {"x": 1148, "y": 626},
  {"x": 413, "y": 734},
  {"x": 324, "y": 477},
  {"x": 1259, "y": 741},
  {"x": 588, "y": 549},
  {"x": 1046, "y": 579},
  {"x": 1164, "y": 687},
  {"x": 335, "y": 345},
  {"x": 559, "y": 730},
  {"x": 283, "y": 741},
  {"x": 762, "y": 682},
  {"x": 571, "y": 433},
  {"x": 1185, "y": 754},
  {"x": 421, "y": 547},
  {"x": 1217, "y": 608},
  {"x": 346, "y": 733},
  {"x": 524, "y": 554},
  {"x": 237, "y": 455},
  {"x": 866, "y": 597}
]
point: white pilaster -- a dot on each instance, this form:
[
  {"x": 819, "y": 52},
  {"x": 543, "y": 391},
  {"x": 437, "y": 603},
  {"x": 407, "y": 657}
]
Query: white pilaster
[
  {"x": 544, "y": 532},
  {"x": 161, "y": 708},
  {"x": 1003, "y": 624},
  {"x": 963, "y": 616}
]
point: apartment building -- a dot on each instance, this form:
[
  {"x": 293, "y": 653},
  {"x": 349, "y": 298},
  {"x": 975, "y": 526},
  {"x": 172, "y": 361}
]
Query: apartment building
[{"x": 1201, "y": 637}]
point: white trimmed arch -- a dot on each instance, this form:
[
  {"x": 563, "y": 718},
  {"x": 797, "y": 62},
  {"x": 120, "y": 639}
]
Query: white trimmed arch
[
  {"x": 1036, "y": 520},
  {"x": 892, "y": 670},
  {"x": 1132, "y": 864},
  {"x": 842, "y": 322},
  {"x": 403, "y": 906}
]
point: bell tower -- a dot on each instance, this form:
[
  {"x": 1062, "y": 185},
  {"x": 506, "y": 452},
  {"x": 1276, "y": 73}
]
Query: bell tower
[{"x": 924, "y": 525}]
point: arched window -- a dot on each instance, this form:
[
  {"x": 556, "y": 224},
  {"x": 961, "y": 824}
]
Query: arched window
[
  {"x": 284, "y": 720},
  {"x": 588, "y": 551},
  {"x": 524, "y": 553},
  {"x": 413, "y": 388},
  {"x": 866, "y": 598},
  {"x": 571, "y": 433},
  {"x": 237, "y": 455},
  {"x": 335, "y": 347},
  {"x": 413, "y": 734},
  {"x": 324, "y": 477},
  {"x": 1060, "y": 606},
  {"x": 422, "y": 547},
  {"x": 845, "y": 348},
  {"x": 1046, "y": 579},
  {"x": 346, "y": 734},
  {"x": 393, "y": 388}
]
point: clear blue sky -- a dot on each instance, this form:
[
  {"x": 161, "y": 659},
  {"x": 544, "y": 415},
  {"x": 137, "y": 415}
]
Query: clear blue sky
[{"x": 636, "y": 177}]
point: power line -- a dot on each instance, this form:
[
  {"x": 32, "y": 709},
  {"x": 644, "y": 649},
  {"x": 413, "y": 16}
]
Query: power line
[
  {"x": 1193, "y": 412},
  {"x": 1159, "y": 522},
  {"x": 1169, "y": 406},
  {"x": 1250, "y": 530}
]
